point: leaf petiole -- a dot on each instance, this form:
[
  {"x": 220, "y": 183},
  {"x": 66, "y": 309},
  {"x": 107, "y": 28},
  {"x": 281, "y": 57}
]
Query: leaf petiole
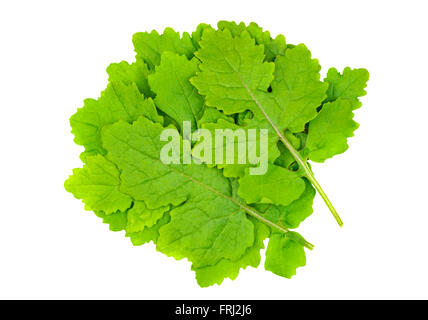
[
  {"x": 258, "y": 216},
  {"x": 297, "y": 157},
  {"x": 308, "y": 174}
]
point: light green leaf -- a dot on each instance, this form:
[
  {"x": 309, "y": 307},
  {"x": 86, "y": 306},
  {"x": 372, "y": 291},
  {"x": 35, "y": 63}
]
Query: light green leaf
[
  {"x": 197, "y": 34},
  {"x": 225, "y": 268},
  {"x": 208, "y": 225},
  {"x": 140, "y": 217},
  {"x": 118, "y": 102},
  {"x": 234, "y": 28},
  {"x": 348, "y": 85},
  {"x": 216, "y": 215},
  {"x": 232, "y": 70},
  {"x": 212, "y": 115},
  {"x": 150, "y": 46},
  {"x": 116, "y": 221},
  {"x": 148, "y": 233},
  {"x": 278, "y": 186},
  {"x": 127, "y": 73},
  {"x": 292, "y": 215},
  {"x": 297, "y": 90},
  {"x": 241, "y": 147},
  {"x": 272, "y": 47},
  {"x": 284, "y": 255},
  {"x": 97, "y": 184},
  {"x": 174, "y": 94},
  {"x": 234, "y": 78},
  {"x": 136, "y": 150},
  {"x": 205, "y": 230},
  {"x": 328, "y": 132},
  {"x": 243, "y": 117}
]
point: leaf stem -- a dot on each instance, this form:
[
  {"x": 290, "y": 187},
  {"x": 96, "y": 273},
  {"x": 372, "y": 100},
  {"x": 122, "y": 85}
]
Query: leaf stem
[
  {"x": 258, "y": 216},
  {"x": 298, "y": 158},
  {"x": 311, "y": 177}
]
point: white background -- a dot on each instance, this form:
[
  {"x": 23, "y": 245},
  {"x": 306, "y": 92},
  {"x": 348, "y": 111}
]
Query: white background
[{"x": 53, "y": 54}]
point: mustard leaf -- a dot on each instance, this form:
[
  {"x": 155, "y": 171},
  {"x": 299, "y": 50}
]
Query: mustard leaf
[{"x": 235, "y": 78}]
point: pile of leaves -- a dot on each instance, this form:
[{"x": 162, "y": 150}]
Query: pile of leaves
[{"x": 216, "y": 216}]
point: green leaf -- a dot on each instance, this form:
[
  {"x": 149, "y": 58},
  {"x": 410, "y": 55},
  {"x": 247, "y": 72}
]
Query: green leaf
[
  {"x": 136, "y": 150},
  {"x": 237, "y": 168},
  {"x": 232, "y": 70},
  {"x": 127, "y": 73},
  {"x": 284, "y": 255},
  {"x": 328, "y": 132},
  {"x": 278, "y": 186},
  {"x": 117, "y": 221},
  {"x": 243, "y": 117},
  {"x": 234, "y": 28},
  {"x": 208, "y": 225},
  {"x": 234, "y": 78},
  {"x": 211, "y": 116},
  {"x": 272, "y": 47},
  {"x": 348, "y": 85},
  {"x": 297, "y": 89},
  {"x": 295, "y": 213},
  {"x": 140, "y": 217},
  {"x": 197, "y": 34},
  {"x": 97, "y": 184},
  {"x": 150, "y": 46},
  {"x": 226, "y": 268},
  {"x": 148, "y": 233},
  {"x": 174, "y": 94},
  {"x": 205, "y": 230},
  {"x": 227, "y": 74},
  {"x": 217, "y": 215},
  {"x": 119, "y": 101}
]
